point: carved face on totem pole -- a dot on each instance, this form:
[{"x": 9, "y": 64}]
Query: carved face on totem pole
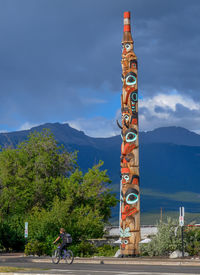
[
  {"x": 129, "y": 119},
  {"x": 129, "y": 193},
  {"x": 127, "y": 47},
  {"x": 129, "y": 80},
  {"x": 129, "y": 199},
  {"x": 129, "y": 143},
  {"x": 128, "y": 242},
  {"x": 127, "y": 178},
  {"x": 127, "y": 234},
  {"x": 129, "y": 71}
]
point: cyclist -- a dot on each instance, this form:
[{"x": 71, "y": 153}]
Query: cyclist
[{"x": 64, "y": 237}]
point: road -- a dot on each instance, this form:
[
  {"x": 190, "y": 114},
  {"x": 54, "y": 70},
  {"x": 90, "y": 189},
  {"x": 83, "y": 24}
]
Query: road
[{"x": 99, "y": 269}]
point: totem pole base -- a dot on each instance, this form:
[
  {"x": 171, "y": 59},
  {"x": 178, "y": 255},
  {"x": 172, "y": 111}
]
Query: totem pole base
[
  {"x": 129, "y": 253},
  {"x": 129, "y": 256}
]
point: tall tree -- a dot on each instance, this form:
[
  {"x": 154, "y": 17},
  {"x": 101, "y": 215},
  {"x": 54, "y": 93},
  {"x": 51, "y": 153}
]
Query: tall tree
[
  {"x": 40, "y": 183},
  {"x": 29, "y": 174}
]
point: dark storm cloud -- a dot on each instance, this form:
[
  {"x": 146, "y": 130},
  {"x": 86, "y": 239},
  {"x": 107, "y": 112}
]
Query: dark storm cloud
[
  {"x": 159, "y": 109},
  {"x": 51, "y": 49},
  {"x": 170, "y": 57}
]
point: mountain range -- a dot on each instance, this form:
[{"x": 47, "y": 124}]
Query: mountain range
[{"x": 169, "y": 162}]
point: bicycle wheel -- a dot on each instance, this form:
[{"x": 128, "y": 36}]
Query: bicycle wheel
[
  {"x": 56, "y": 256},
  {"x": 69, "y": 257}
]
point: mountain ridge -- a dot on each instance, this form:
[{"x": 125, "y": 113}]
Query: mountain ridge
[
  {"x": 171, "y": 134},
  {"x": 169, "y": 162}
]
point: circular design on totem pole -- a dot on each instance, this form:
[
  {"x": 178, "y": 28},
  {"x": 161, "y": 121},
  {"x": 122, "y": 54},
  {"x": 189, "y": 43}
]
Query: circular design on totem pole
[
  {"x": 131, "y": 79},
  {"x": 131, "y": 137},
  {"x": 131, "y": 196},
  {"x": 134, "y": 96}
]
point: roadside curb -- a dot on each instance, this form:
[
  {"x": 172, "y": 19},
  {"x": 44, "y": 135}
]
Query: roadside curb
[{"x": 127, "y": 262}]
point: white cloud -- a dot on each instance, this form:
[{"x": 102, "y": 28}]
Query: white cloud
[
  {"x": 27, "y": 126},
  {"x": 96, "y": 127},
  {"x": 168, "y": 101},
  {"x": 169, "y": 110}
]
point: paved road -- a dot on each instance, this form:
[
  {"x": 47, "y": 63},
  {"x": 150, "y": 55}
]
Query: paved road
[{"x": 101, "y": 269}]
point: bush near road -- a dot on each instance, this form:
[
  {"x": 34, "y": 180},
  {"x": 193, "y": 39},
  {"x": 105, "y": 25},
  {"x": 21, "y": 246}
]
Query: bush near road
[{"x": 168, "y": 239}]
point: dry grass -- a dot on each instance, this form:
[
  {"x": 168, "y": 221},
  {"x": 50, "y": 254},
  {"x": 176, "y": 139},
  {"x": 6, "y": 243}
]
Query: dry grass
[{"x": 14, "y": 269}]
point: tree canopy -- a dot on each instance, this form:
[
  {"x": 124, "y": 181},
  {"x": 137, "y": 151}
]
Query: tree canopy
[{"x": 40, "y": 183}]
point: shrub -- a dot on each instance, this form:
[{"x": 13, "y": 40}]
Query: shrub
[
  {"x": 192, "y": 240},
  {"x": 106, "y": 250},
  {"x": 165, "y": 242},
  {"x": 86, "y": 249},
  {"x": 38, "y": 248},
  {"x": 83, "y": 249},
  {"x": 11, "y": 234}
]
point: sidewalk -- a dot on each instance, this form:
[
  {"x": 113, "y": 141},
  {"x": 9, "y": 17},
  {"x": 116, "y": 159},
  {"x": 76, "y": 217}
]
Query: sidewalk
[{"x": 105, "y": 260}]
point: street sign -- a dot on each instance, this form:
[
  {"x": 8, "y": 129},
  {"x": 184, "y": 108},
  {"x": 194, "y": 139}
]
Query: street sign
[
  {"x": 26, "y": 230},
  {"x": 181, "y": 221}
]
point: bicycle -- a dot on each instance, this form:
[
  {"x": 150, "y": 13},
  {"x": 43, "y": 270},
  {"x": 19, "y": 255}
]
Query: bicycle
[{"x": 67, "y": 255}]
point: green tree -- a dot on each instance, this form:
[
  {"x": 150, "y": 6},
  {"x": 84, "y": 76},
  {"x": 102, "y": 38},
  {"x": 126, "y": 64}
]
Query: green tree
[
  {"x": 84, "y": 209},
  {"x": 40, "y": 183},
  {"x": 30, "y": 175}
]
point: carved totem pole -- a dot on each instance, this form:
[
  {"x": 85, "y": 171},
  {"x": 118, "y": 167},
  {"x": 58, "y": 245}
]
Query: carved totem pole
[{"x": 130, "y": 195}]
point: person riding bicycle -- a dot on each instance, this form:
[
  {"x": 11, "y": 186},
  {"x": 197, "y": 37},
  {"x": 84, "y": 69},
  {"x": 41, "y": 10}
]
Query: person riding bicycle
[{"x": 65, "y": 239}]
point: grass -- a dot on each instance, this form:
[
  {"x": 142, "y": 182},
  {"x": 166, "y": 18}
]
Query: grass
[
  {"x": 14, "y": 269},
  {"x": 10, "y": 269}
]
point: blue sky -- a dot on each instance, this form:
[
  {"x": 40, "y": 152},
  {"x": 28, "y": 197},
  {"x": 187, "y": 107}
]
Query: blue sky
[{"x": 60, "y": 62}]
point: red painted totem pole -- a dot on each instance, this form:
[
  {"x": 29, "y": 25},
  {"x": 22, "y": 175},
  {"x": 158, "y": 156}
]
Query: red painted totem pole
[{"x": 130, "y": 195}]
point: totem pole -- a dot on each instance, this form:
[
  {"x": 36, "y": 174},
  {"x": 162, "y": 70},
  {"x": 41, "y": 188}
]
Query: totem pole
[{"x": 130, "y": 195}]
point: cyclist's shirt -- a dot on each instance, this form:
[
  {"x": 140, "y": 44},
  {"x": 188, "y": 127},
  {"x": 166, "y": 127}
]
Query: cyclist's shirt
[{"x": 66, "y": 238}]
